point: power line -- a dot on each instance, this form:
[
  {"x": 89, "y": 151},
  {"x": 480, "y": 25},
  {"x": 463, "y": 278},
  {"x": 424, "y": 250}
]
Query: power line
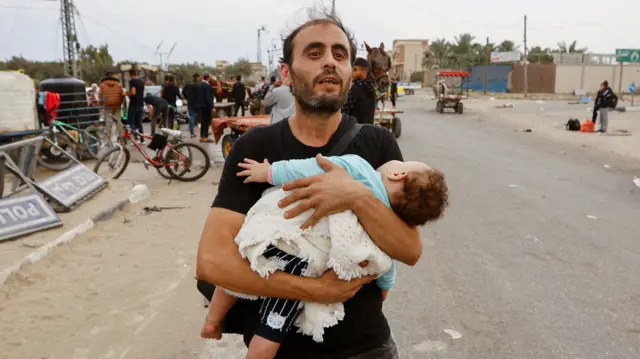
[{"x": 28, "y": 8}]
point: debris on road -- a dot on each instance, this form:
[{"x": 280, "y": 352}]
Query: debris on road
[
  {"x": 509, "y": 105},
  {"x": 636, "y": 181},
  {"x": 533, "y": 239},
  {"x": 592, "y": 217},
  {"x": 513, "y": 186},
  {"x": 454, "y": 335},
  {"x": 149, "y": 210},
  {"x": 523, "y": 130},
  {"x": 607, "y": 166}
]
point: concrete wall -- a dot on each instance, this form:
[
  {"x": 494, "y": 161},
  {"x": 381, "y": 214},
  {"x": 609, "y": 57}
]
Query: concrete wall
[{"x": 573, "y": 77}]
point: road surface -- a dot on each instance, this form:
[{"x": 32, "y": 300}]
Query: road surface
[{"x": 537, "y": 257}]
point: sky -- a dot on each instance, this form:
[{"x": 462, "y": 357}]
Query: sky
[{"x": 210, "y": 30}]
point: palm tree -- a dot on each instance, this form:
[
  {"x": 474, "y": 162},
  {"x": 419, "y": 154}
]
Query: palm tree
[
  {"x": 571, "y": 49},
  {"x": 507, "y": 45},
  {"x": 537, "y": 55},
  {"x": 438, "y": 55}
]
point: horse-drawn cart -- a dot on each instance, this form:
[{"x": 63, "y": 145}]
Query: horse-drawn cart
[
  {"x": 389, "y": 120},
  {"x": 238, "y": 126},
  {"x": 446, "y": 99}
]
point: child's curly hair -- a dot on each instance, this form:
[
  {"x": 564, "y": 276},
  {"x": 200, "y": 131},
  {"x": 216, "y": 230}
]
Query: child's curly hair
[{"x": 424, "y": 198}]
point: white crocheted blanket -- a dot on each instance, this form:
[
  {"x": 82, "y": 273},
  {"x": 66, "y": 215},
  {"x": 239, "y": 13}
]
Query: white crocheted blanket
[{"x": 337, "y": 242}]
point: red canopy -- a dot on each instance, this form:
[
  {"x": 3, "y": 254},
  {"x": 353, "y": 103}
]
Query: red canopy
[{"x": 454, "y": 74}]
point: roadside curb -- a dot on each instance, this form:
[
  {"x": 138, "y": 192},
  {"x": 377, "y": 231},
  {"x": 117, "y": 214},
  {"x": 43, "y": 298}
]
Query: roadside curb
[{"x": 136, "y": 194}]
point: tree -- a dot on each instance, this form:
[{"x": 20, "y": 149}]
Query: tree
[
  {"x": 240, "y": 67},
  {"x": 94, "y": 62},
  {"x": 417, "y": 76},
  {"x": 571, "y": 49},
  {"x": 507, "y": 45},
  {"x": 537, "y": 55},
  {"x": 439, "y": 55}
]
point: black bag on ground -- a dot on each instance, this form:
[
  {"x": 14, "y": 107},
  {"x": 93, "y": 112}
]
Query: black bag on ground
[{"x": 573, "y": 124}]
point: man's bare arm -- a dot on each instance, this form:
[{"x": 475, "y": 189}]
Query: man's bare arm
[
  {"x": 219, "y": 263},
  {"x": 387, "y": 230}
]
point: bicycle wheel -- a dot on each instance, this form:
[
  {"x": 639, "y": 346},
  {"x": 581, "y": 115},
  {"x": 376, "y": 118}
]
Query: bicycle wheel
[
  {"x": 186, "y": 158},
  {"x": 112, "y": 159},
  {"x": 51, "y": 157},
  {"x": 96, "y": 139}
]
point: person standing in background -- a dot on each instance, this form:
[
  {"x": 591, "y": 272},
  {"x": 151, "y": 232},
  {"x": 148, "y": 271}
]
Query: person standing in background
[
  {"x": 205, "y": 106},
  {"x": 394, "y": 91},
  {"x": 361, "y": 102},
  {"x": 136, "y": 103},
  {"x": 281, "y": 102},
  {"x": 170, "y": 92},
  {"x": 239, "y": 94},
  {"x": 112, "y": 96},
  {"x": 190, "y": 93}
]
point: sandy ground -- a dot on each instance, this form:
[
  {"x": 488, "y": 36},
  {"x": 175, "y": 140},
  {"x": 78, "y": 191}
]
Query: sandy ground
[{"x": 537, "y": 257}]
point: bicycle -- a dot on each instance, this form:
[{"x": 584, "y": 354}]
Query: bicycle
[
  {"x": 75, "y": 142},
  {"x": 168, "y": 146}
]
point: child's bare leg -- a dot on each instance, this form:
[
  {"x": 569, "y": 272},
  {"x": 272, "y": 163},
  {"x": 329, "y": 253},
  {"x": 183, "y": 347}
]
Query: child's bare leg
[
  {"x": 385, "y": 293},
  {"x": 221, "y": 303},
  {"x": 261, "y": 348}
]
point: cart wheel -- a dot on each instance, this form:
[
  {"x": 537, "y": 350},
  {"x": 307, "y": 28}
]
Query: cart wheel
[
  {"x": 439, "y": 107},
  {"x": 397, "y": 127},
  {"x": 227, "y": 143},
  {"x": 460, "y": 108}
]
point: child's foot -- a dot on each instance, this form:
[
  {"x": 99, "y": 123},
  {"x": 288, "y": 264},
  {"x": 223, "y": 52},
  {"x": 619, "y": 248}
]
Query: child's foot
[{"x": 211, "y": 330}]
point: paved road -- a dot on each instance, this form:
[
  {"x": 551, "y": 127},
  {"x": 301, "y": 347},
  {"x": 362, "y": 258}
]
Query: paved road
[{"x": 516, "y": 267}]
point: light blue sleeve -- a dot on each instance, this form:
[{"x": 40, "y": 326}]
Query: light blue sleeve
[
  {"x": 287, "y": 171},
  {"x": 388, "y": 279}
]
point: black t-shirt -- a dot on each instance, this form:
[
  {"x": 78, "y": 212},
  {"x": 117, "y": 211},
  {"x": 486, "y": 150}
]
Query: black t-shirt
[
  {"x": 171, "y": 92},
  {"x": 137, "y": 99},
  {"x": 361, "y": 102},
  {"x": 364, "y": 327}
]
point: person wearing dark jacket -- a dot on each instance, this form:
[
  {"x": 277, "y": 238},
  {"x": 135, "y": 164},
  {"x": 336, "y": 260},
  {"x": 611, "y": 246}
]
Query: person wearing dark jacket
[
  {"x": 604, "y": 101},
  {"x": 393, "y": 92},
  {"x": 239, "y": 93},
  {"x": 361, "y": 102},
  {"x": 205, "y": 107},
  {"x": 171, "y": 93},
  {"x": 190, "y": 93}
]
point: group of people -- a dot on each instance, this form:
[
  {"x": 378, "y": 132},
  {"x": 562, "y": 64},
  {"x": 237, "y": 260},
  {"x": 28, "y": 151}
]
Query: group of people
[{"x": 271, "y": 236}]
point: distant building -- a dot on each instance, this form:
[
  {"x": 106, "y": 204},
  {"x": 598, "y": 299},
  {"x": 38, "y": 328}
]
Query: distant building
[
  {"x": 221, "y": 64},
  {"x": 407, "y": 56},
  {"x": 257, "y": 71}
]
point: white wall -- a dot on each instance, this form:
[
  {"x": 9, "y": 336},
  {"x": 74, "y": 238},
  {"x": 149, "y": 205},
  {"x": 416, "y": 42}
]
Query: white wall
[{"x": 570, "y": 77}]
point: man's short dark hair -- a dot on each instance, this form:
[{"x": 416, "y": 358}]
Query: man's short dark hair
[
  {"x": 425, "y": 197},
  {"x": 133, "y": 72},
  {"x": 324, "y": 17},
  {"x": 273, "y": 79},
  {"x": 239, "y": 77},
  {"x": 605, "y": 83},
  {"x": 206, "y": 76},
  {"x": 362, "y": 63},
  {"x": 196, "y": 75}
]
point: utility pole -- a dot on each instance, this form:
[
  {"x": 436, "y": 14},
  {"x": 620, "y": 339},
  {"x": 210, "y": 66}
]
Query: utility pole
[
  {"x": 486, "y": 65},
  {"x": 70, "y": 44},
  {"x": 260, "y": 30},
  {"x": 333, "y": 8},
  {"x": 526, "y": 74}
]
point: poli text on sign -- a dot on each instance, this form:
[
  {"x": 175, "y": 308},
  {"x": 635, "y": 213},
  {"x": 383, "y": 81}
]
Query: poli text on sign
[
  {"x": 25, "y": 214},
  {"x": 628, "y": 55}
]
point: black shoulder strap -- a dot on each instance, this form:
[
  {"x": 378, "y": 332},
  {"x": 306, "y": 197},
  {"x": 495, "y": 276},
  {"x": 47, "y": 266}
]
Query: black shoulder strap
[{"x": 344, "y": 141}]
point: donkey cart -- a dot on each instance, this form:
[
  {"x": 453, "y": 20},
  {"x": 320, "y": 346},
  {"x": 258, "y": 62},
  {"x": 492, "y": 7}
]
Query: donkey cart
[
  {"x": 238, "y": 126},
  {"x": 389, "y": 120},
  {"x": 444, "y": 98}
]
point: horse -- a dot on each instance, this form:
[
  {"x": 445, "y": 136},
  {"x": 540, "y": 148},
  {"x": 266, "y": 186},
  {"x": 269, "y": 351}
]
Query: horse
[{"x": 380, "y": 64}]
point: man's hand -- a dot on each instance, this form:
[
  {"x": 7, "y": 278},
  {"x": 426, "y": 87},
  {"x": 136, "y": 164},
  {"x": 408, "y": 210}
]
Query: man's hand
[
  {"x": 331, "y": 289},
  {"x": 328, "y": 193},
  {"x": 256, "y": 171}
]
